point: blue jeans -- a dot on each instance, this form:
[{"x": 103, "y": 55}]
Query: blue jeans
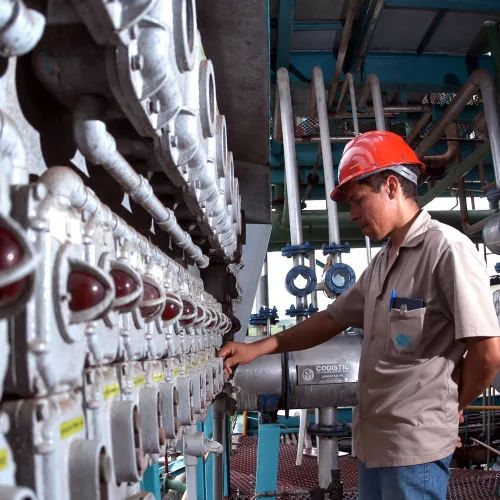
[{"x": 414, "y": 482}]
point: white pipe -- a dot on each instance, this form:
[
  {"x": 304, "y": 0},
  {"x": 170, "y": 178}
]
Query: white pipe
[
  {"x": 291, "y": 172},
  {"x": 326, "y": 151},
  {"x": 99, "y": 147},
  {"x": 372, "y": 85},
  {"x": 20, "y": 28}
]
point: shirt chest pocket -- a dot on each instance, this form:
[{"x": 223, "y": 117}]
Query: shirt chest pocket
[{"x": 407, "y": 335}]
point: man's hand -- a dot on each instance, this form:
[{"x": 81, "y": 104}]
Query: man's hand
[
  {"x": 236, "y": 353},
  {"x": 461, "y": 420}
]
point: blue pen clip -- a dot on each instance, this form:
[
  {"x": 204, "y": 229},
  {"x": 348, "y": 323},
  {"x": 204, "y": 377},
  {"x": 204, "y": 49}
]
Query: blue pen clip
[{"x": 391, "y": 302}]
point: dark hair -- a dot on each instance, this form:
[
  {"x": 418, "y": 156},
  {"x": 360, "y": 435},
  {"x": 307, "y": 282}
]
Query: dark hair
[{"x": 376, "y": 181}]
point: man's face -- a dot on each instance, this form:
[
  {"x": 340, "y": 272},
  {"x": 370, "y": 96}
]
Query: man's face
[{"x": 371, "y": 211}]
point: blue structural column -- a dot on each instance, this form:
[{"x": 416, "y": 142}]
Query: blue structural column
[
  {"x": 151, "y": 480},
  {"x": 227, "y": 452},
  {"x": 267, "y": 458}
]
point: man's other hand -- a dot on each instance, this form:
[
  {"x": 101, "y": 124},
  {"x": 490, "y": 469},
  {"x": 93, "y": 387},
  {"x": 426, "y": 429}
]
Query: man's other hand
[
  {"x": 236, "y": 353},
  {"x": 461, "y": 420}
]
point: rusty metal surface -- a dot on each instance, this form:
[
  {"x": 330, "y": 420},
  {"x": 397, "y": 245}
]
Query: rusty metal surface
[{"x": 464, "y": 484}]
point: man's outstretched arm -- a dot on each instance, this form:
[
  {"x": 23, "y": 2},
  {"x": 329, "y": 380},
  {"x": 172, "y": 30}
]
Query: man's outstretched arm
[{"x": 309, "y": 333}]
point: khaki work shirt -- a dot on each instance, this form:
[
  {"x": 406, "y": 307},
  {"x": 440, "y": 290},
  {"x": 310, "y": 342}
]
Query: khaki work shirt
[{"x": 411, "y": 361}]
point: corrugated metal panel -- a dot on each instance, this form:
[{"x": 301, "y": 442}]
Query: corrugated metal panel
[
  {"x": 401, "y": 29},
  {"x": 458, "y": 30}
]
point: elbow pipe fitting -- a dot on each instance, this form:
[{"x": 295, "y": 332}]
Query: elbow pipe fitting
[{"x": 21, "y": 28}]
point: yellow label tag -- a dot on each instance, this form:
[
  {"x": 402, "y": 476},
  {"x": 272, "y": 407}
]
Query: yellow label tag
[
  {"x": 139, "y": 380},
  {"x": 72, "y": 426},
  {"x": 203, "y": 360},
  {"x": 110, "y": 391},
  {"x": 188, "y": 366},
  {"x": 176, "y": 372},
  {"x": 4, "y": 458},
  {"x": 158, "y": 377},
  {"x": 195, "y": 363}
]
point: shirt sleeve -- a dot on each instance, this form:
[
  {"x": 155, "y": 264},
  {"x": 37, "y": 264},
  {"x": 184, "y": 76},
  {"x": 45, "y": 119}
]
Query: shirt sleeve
[
  {"x": 464, "y": 285},
  {"x": 348, "y": 308}
]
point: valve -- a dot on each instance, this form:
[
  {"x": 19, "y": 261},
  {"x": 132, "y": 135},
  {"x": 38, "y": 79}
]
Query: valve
[{"x": 294, "y": 250}]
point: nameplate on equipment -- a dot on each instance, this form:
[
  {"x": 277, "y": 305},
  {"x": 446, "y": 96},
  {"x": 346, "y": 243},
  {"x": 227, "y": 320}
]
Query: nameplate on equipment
[{"x": 327, "y": 373}]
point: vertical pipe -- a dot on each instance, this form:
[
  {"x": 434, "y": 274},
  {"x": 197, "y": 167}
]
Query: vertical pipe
[
  {"x": 262, "y": 296},
  {"x": 328, "y": 449},
  {"x": 422, "y": 122},
  {"x": 494, "y": 46},
  {"x": 291, "y": 174},
  {"x": 312, "y": 265},
  {"x": 378, "y": 108},
  {"x": 484, "y": 401},
  {"x": 489, "y": 427},
  {"x": 326, "y": 149},
  {"x": 354, "y": 107}
]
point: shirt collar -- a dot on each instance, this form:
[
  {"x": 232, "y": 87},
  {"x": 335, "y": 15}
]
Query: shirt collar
[{"x": 416, "y": 232}]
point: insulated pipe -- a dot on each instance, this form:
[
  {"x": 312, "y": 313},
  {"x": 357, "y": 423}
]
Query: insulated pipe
[
  {"x": 356, "y": 133},
  {"x": 291, "y": 173},
  {"x": 372, "y": 85},
  {"x": 20, "y": 28},
  {"x": 99, "y": 147},
  {"x": 326, "y": 151},
  {"x": 328, "y": 449},
  {"x": 445, "y": 159},
  {"x": 479, "y": 79}
]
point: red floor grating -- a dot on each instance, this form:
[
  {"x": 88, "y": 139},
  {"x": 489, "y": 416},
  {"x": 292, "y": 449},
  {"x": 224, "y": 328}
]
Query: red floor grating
[{"x": 464, "y": 484}]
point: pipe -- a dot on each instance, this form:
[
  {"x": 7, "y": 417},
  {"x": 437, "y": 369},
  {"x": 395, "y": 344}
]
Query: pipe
[
  {"x": 326, "y": 151},
  {"x": 341, "y": 139},
  {"x": 99, "y": 147},
  {"x": 494, "y": 46},
  {"x": 20, "y": 28},
  {"x": 312, "y": 265},
  {"x": 262, "y": 297},
  {"x": 367, "y": 38},
  {"x": 479, "y": 79},
  {"x": 372, "y": 85},
  {"x": 459, "y": 171},
  {"x": 388, "y": 111},
  {"x": 484, "y": 445},
  {"x": 291, "y": 173},
  {"x": 344, "y": 43},
  {"x": 328, "y": 449},
  {"x": 462, "y": 199},
  {"x": 422, "y": 122},
  {"x": 174, "y": 485},
  {"x": 356, "y": 133},
  {"x": 482, "y": 408},
  {"x": 437, "y": 161},
  {"x": 245, "y": 423},
  {"x": 352, "y": 93}
]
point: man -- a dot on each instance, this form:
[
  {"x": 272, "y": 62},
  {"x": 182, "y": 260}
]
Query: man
[{"x": 423, "y": 302}]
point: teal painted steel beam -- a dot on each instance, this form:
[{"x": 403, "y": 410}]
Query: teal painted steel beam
[
  {"x": 425, "y": 73},
  {"x": 151, "y": 480},
  {"x": 457, "y": 173},
  {"x": 268, "y": 449},
  {"x": 467, "y": 5},
  {"x": 312, "y": 25},
  {"x": 285, "y": 29}
]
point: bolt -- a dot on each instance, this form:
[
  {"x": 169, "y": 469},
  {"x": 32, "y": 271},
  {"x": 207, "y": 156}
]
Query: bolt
[
  {"x": 137, "y": 62},
  {"x": 173, "y": 141}
]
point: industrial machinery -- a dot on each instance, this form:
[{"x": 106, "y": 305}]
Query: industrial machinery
[{"x": 152, "y": 153}]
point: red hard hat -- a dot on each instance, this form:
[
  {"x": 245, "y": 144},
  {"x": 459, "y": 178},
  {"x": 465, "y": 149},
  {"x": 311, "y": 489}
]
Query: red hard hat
[{"x": 370, "y": 153}]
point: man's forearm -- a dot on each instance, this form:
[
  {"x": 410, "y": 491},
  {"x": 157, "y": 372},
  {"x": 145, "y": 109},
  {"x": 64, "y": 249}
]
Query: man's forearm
[
  {"x": 309, "y": 333},
  {"x": 477, "y": 375}
]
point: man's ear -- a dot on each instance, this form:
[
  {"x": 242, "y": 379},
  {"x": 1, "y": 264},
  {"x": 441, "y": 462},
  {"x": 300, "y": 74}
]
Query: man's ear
[{"x": 393, "y": 186}]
